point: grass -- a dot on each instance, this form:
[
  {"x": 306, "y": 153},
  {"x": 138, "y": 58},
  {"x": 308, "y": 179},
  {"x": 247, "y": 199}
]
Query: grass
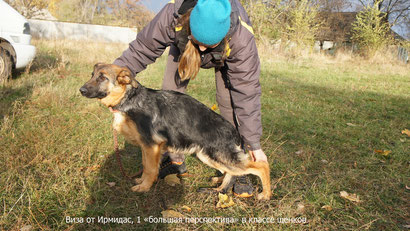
[{"x": 323, "y": 119}]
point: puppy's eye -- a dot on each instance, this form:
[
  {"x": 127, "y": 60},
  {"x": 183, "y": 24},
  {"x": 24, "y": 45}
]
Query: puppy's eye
[{"x": 101, "y": 77}]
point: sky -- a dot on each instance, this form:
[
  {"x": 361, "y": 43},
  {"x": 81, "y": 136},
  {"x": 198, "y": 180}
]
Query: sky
[{"x": 154, "y": 5}]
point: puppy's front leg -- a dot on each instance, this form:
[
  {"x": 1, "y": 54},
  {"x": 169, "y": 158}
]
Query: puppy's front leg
[
  {"x": 151, "y": 158},
  {"x": 143, "y": 176}
]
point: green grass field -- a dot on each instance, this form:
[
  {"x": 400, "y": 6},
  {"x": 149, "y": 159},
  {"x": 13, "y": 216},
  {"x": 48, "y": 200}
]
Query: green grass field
[{"x": 327, "y": 124}]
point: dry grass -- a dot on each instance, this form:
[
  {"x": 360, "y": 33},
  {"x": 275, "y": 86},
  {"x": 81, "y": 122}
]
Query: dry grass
[{"x": 323, "y": 118}]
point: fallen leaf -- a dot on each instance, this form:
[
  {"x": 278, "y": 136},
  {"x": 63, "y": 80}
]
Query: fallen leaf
[
  {"x": 383, "y": 152},
  {"x": 299, "y": 152},
  {"x": 111, "y": 184},
  {"x": 300, "y": 208},
  {"x": 172, "y": 180},
  {"x": 94, "y": 167},
  {"x": 350, "y": 197},
  {"x": 26, "y": 228},
  {"x": 214, "y": 107},
  {"x": 186, "y": 208},
  {"x": 225, "y": 201},
  {"x": 406, "y": 131},
  {"x": 171, "y": 213},
  {"x": 327, "y": 207},
  {"x": 351, "y": 125}
]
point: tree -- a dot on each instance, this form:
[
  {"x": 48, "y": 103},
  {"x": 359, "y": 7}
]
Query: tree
[
  {"x": 370, "y": 31},
  {"x": 396, "y": 11},
  {"x": 302, "y": 22},
  {"x": 266, "y": 17},
  {"x": 28, "y": 7}
]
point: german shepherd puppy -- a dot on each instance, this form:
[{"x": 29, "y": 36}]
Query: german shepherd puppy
[{"x": 160, "y": 121}]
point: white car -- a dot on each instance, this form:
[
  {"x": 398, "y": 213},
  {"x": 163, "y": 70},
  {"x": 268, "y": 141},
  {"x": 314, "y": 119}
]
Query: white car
[{"x": 16, "y": 50}]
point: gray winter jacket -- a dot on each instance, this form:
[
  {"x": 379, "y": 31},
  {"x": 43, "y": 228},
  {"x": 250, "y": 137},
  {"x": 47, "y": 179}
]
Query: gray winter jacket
[{"x": 241, "y": 67}]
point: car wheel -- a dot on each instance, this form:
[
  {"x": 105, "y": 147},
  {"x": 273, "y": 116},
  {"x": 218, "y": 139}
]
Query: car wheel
[{"x": 5, "y": 65}]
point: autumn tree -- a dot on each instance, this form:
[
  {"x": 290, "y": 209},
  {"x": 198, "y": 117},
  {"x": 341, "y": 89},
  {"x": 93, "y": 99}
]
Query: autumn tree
[
  {"x": 28, "y": 7},
  {"x": 302, "y": 22},
  {"x": 370, "y": 31}
]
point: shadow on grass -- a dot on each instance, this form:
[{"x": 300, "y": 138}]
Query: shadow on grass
[
  {"x": 327, "y": 138},
  {"x": 108, "y": 203}
]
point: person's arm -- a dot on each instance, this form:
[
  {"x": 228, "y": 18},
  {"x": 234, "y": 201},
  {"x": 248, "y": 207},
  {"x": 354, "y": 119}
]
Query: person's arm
[
  {"x": 151, "y": 41},
  {"x": 243, "y": 69}
]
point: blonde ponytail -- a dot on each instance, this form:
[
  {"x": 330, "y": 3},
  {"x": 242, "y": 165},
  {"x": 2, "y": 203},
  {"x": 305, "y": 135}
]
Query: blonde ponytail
[{"x": 190, "y": 62}]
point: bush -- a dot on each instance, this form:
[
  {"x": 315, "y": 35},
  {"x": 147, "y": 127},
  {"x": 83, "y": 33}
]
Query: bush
[
  {"x": 266, "y": 17},
  {"x": 371, "y": 30},
  {"x": 302, "y": 23}
]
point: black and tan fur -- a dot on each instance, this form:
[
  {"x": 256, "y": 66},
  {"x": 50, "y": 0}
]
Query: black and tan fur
[{"x": 160, "y": 121}]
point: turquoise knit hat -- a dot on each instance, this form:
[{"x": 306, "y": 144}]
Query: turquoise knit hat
[{"x": 210, "y": 21}]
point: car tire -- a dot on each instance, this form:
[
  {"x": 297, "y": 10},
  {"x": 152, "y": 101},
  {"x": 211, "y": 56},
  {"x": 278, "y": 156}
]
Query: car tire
[{"x": 6, "y": 65}]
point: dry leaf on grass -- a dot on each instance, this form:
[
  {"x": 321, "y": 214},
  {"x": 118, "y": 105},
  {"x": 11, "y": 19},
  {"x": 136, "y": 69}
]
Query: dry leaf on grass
[
  {"x": 327, "y": 207},
  {"x": 111, "y": 184},
  {"x": 214, "y": 107},
  {"x": 172, "y": 180},
  {"x": 299, "y": 152},
  {"x": 186, "y": 208},
  {"x": 300, "y": 208},
  {"x": 225, "y": 201},
  {"x": 171, "y": 213},
  {"x": 26, "y": 228},
  {"x": 383, "y": 152},
  {"x": 406, "y": 131},
  {"x": 350, "y": 197}
]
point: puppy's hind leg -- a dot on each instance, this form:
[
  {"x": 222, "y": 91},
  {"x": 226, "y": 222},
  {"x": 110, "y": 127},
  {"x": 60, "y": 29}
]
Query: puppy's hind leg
[
  {"x": 227, "y": 183},
  {"x": 261, "y": 169}
]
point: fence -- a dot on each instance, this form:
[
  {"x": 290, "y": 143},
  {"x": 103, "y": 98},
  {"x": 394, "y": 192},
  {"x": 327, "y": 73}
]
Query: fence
[{"x": 65, "y": 30}]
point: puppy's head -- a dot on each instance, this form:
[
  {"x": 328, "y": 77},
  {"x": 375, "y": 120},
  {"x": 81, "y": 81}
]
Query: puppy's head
[{"x": 108, "y": 84}]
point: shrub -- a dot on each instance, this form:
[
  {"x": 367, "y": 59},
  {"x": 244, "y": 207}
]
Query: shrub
[{"x": 371, "y": 30}]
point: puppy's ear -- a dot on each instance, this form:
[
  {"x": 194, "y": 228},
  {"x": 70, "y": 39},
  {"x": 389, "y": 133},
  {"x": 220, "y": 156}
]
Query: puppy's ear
[
  {"x": 124, "y": 76},
  {"x": 97, "y": 65}
]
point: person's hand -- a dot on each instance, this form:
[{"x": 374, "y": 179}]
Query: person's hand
[{"x": 258, "y": 155}]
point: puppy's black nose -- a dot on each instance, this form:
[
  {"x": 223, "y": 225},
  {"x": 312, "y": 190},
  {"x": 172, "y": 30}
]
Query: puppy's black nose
[{"x": 83, "y": 90}]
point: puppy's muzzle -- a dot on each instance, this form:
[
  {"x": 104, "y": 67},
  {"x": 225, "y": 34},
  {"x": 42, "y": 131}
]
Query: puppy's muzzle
[{"x": 84, "y": 91}]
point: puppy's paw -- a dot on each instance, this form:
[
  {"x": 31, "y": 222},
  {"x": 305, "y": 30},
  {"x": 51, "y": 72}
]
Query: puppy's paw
[
  {"x": 140, "y": 188},
  {"x": 263, "y": 196},
  {"x": 138, "y": 180}
]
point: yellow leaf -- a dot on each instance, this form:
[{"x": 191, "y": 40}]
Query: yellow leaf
[
  {"x": 224, "y": 201},
  {"x": 186, "y": 208},
  {"x": 94, "y": 167},
  {"x": 383, "y": 152},
  {"x": 406, "y": 131},
  {"x": 172, "y": 180},
  {"x": 327, "y": 207},
  {"x": 350, "y": 197},
  {"x": 214, "y": 107},
  {"x": 171, "y": 213}
]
